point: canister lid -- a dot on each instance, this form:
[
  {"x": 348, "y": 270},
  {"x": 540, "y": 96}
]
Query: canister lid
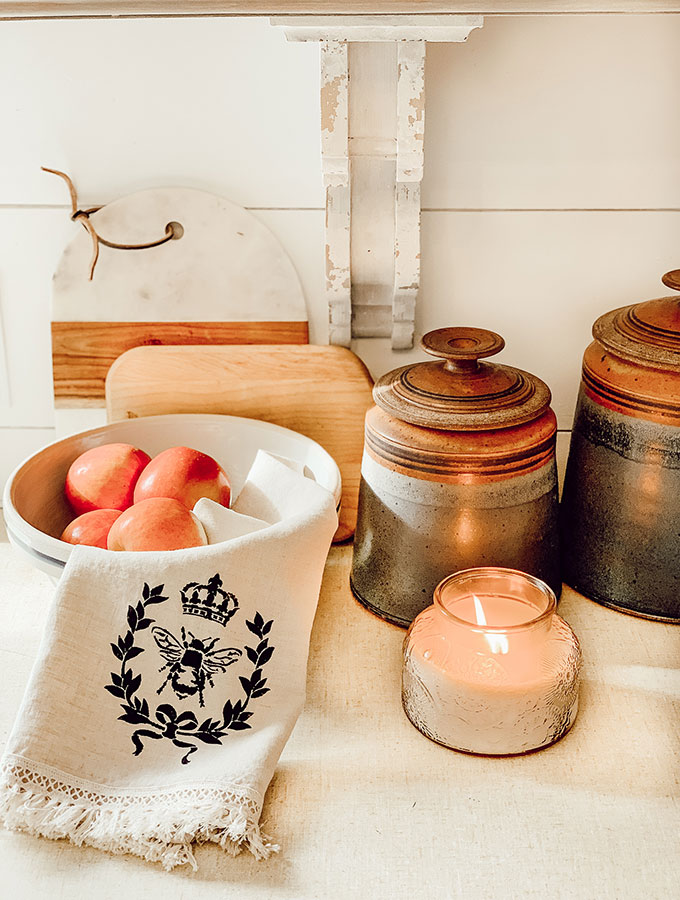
[
  {"x": 646, "y": 333},
  {"x": 457, "y": 391}
]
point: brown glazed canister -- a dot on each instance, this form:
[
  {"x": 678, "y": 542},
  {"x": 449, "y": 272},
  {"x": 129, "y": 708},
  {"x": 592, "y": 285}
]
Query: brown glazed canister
[
  {"x": 620, "y": 515},
  {"x": 458, "y": 471}
]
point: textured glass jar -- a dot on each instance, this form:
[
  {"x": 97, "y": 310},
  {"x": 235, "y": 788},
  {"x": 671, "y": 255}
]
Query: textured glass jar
[{"x": 490, "y": 667}]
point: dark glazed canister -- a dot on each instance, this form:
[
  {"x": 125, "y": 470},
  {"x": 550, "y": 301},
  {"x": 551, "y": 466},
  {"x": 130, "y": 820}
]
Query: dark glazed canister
[
  {"x": 621, "y": 504},
  {"x": 458, "y": 472}
]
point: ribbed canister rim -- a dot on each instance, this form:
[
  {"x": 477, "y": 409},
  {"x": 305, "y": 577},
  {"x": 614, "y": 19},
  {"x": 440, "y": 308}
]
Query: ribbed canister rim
[{"x": 462, "y": 456}]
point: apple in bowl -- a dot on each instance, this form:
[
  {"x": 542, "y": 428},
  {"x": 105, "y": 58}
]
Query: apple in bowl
[
  {"x": 159, "y": 523},
  {"x": 183, "y": 474},
  {"x": 105, "y": 477},
  {"x": 148, "y": 502},
  {"x": 92, "y": 528}
]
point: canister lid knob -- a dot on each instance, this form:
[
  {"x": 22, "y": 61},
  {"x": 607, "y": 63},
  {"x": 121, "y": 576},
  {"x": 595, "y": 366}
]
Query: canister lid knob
[
  {"x": 457, "y": 392},
  {"x": 645, "y": 334},
  {"x": 462, "y": 347},
  {"x": 672, "y": 279}
]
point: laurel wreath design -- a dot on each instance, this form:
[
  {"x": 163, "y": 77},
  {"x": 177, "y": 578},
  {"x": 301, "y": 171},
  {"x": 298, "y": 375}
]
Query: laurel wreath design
[{"x": 182, "y": 728}]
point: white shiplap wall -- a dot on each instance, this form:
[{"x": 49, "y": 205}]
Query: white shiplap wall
[{"x": 551, "y": 190}]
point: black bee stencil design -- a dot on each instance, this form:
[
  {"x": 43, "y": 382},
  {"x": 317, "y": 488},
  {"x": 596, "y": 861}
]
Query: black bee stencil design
[{"x": 191, "y": 662}]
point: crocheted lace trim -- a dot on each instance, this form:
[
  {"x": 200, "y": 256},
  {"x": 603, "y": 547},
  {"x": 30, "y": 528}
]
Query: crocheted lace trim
[{"x": 159, "y": 825}]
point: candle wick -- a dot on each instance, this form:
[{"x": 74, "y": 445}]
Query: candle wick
[{"x": 498, "y": 643}]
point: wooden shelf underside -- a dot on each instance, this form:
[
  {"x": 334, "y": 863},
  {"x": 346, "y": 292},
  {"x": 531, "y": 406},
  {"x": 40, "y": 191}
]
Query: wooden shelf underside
[{"x": 23, "y": 9}]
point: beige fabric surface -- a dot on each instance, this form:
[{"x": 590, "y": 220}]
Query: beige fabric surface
[{"x": 365, "y": 806}]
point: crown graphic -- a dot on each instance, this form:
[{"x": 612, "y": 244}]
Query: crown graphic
[{"x": 209, "y": 601}]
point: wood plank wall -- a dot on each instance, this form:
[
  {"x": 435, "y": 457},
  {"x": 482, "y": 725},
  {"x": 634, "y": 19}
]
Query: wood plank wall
[{"x": 551, "y": 190}]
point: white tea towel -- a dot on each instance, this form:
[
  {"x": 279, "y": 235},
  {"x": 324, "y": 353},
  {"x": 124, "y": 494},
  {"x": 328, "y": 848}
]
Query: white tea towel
[{"x": 167, "y": 684}]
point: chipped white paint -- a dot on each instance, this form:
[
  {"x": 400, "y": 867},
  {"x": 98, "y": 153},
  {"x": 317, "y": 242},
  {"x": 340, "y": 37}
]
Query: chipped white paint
[
  {"x": 410, "y": 110},
  {"x": 406, "y": 263},
  {"x": 409, "y": 174},
  {"x": 335, "y": 168},
  {"x": 372, "y": 134},
  {"x": 334, "y": 113},
  {"x": 442, "y": 28},
  {"x": 338, "y": 285},
  {"x": 373, "y": 149}
]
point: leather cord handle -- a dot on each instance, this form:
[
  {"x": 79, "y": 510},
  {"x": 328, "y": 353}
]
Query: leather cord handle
[{"x": 173, "y": 230}]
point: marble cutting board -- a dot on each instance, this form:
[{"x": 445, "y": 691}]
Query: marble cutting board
[{"x": 227, "y": 280}]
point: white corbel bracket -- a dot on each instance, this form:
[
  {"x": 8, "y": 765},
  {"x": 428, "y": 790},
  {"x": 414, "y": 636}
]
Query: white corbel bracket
[{"x": 372, "y": 133}]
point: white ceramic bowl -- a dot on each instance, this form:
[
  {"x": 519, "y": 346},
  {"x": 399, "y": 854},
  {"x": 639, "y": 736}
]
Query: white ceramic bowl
[{"x": 36, "y": 511}]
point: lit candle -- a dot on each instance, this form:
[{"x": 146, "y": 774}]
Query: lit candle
[{"x": 490, "y": 667}]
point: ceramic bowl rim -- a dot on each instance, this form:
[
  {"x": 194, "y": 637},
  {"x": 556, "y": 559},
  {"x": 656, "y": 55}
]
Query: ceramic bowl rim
[{"x": 33, "y": 540}]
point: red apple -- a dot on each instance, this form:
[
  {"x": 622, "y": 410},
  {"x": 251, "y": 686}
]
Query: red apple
[
  {"x": 105, "y": 477},
  {"x": 159, "y": 523},
  {"x": 92, "y": 528},
  {"x": 185, "y": 475}
]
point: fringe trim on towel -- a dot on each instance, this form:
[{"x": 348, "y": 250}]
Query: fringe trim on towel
[{"x": 159, "y": 826}]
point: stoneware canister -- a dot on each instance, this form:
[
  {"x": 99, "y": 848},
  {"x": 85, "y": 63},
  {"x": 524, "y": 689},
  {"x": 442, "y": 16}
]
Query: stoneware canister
[
  {"x": 458, "y": 471},
  {"x": 621, "y": 504}
]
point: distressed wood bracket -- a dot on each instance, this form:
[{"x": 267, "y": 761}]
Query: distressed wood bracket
[{"x": 372, "y": 138}]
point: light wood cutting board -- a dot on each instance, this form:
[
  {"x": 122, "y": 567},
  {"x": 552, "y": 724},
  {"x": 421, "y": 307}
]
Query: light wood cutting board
[{"x": 322, "y": 392}]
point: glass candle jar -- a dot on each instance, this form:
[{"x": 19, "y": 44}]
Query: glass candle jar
[{"x": 490, "y": 667}]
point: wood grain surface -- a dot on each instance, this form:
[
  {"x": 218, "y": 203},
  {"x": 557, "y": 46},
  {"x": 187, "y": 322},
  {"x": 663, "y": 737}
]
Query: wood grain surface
[
  {"x": 321, "y": 392},
  {"x": 65, "y": 8},
  {"x": 82, "y": 352}
]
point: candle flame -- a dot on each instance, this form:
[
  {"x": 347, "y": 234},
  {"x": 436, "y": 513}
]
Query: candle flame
[{"x": 498, "y": 643}]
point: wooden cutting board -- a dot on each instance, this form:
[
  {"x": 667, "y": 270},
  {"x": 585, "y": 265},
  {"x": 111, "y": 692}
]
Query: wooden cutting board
[
  {"x": 226, "y": 280},
  {"x": 322, "y": 392}
]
